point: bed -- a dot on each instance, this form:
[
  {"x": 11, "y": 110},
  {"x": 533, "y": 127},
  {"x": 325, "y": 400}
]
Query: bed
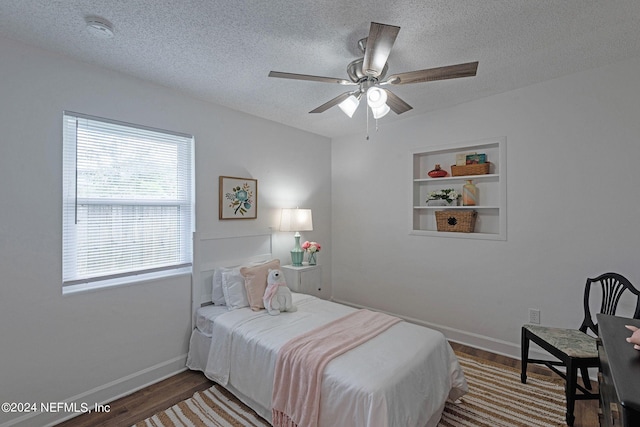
[{"x": 401, "y": 377}]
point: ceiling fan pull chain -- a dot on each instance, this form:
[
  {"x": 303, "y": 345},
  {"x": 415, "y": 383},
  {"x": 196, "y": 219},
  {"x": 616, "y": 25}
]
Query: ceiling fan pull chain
[{"x": 367, "y": 123}]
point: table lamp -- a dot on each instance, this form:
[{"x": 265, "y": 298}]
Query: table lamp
[{"x": 296, "y": 220}]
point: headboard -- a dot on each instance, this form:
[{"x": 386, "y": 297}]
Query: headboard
[{"x": 212, "y": 250}]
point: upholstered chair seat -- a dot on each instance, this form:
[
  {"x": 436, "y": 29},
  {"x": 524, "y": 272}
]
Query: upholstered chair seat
[{"x": 572, "y": 342}]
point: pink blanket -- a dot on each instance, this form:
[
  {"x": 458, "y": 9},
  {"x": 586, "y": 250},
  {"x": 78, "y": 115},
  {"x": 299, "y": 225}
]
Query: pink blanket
[{"x": 301, "y": 362}]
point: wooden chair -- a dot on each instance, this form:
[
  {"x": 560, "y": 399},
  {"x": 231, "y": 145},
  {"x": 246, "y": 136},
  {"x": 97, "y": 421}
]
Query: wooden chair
[{"x": 575, "y": 349}]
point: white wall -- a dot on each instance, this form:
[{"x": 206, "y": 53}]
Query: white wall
[
  {"x": 573, "y": 146},
  {"x": 93, "y": 346}
]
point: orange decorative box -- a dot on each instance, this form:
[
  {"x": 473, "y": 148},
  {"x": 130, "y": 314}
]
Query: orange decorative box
[{"x": 474, "y": 169}]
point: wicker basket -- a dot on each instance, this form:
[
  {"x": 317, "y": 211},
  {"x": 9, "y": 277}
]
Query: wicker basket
[
  {"x": 461, "y": 221},
  {"x": 474, "y": 169}
]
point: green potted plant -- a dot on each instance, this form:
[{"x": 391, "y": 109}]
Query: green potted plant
[{"x": 444, "y": 197}]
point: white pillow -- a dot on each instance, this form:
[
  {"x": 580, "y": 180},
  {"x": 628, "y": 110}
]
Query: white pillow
[
  {"x": 217, "y": 296},
  {"x": 233, "y": 289}
]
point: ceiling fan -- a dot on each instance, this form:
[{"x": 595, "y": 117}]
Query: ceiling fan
[{"x": 369, "y": 75}]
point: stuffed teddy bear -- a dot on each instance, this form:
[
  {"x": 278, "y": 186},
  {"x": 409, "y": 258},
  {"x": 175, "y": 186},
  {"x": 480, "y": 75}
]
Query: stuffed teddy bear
[{"x": 277, "y": 296}]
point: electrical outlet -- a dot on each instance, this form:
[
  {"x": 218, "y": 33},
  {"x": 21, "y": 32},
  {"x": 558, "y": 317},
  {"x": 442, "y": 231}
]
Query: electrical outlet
[{"x": 534, "y": 316}]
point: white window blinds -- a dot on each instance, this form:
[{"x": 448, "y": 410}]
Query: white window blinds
[{"x": 128, "y": 203}]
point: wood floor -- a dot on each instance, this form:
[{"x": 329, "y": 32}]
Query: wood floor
[{"x": 146, "y": 402}]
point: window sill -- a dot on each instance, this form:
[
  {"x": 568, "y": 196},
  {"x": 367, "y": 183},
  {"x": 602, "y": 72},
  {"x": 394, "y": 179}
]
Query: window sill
[{"x": 123, "y": 281}]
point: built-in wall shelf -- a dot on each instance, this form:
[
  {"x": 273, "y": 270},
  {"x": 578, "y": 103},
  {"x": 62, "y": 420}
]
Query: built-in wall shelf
[{"x": 491, "y": 220}]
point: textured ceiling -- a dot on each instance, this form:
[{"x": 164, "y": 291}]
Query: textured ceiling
[{"x": 223, "y": 50}]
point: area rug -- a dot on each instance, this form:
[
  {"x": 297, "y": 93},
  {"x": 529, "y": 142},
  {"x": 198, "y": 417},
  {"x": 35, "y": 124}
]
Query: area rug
[
  {"x": 215, "y": 407},
  {"x": 496, "y": 398}
]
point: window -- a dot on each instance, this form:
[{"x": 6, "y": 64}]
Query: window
[{"x": 128, "y": 203}]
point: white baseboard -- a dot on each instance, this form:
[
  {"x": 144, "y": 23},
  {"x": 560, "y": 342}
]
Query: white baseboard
[
  {"x": 104, "y": 394},
  {"x": 481, "y": 342}
]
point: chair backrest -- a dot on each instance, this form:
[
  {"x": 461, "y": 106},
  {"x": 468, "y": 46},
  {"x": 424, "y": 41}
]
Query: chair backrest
[{"x": 613, "y": 286}]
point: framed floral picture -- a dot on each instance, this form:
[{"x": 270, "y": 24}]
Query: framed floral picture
[{"x": 238, "y": 198}]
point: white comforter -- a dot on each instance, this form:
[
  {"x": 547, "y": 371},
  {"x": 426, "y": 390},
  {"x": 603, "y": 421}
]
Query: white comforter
[{"x": 400, "y": 378}]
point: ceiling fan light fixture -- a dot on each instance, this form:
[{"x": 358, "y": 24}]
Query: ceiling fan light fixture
[
  {"x": 380, "y": 112},
  {"x": 349, "y": 105},
  {"x": 369, "y": 73},
  {"x": 376, "y": 97}
]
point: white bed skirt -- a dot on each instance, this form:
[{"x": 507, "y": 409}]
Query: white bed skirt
[{"x": 197, "y": 360}]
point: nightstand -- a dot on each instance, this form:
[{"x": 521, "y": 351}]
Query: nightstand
[{"x": 306, "y": 279}]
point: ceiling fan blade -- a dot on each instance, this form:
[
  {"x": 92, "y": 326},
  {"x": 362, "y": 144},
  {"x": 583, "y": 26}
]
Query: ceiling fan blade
[
  {"x": 441, "y": 73},
  {"x": 396, "y": 104},
  {"x": 310, "y": 78},
  {"x": 379, "y": 44},
  {"x": 335, "y": 101}
]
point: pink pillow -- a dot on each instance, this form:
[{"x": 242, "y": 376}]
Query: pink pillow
[{"x": 255, "y": 282}]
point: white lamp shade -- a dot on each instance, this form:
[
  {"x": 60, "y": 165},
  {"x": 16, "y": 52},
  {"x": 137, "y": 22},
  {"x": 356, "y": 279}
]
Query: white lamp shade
[
  {"x": 349, "y": 105},
  {"x": 296, "y": 220},
  {"x": 376, "y": 97},
  {"x": 379, "y": 112}
]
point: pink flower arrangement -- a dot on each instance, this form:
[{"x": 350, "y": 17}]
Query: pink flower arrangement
[{"x": 311, "y": 246}]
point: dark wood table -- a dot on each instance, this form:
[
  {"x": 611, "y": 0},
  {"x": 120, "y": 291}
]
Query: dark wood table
[{"x": 619, "y": 376}]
